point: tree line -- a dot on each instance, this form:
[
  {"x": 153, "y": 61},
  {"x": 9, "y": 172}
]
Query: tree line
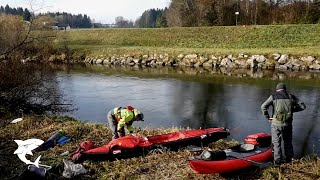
[
  {"x": 152, "y": 18},
  {"x": 60, "y": 19},
  {"x": 25, "y": 13},
  {"x": 186, "y": 13},
  {"x": 67, "y": 19}
]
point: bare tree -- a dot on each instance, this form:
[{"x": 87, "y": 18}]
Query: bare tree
[
  {"x": 26, "y": 87},
  {"x": 121, "y": 22},
  {"x": 16, "y": 33},
  {"x": 12, "y": 33},
  {"x": 173, "y": 14},
  {"x": 222, "y": 12}
]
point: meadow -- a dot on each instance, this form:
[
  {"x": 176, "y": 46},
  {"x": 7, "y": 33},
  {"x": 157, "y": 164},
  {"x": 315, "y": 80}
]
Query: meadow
[{"x": 302, "y": 39}]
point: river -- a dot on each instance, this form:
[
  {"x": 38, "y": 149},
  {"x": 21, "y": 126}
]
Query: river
[{"x": 188, "y": 98}]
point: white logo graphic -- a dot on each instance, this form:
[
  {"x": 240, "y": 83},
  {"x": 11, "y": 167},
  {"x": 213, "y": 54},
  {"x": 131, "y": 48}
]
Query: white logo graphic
[{"x": 25, "y": 147}]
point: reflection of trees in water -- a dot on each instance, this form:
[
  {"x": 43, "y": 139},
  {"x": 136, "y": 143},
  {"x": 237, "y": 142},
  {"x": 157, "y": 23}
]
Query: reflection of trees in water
[
  {"x": 206, "y": 105},
  {"x": 30, "y": 88},
  {"x": 313, "y": 122},
  {"x": 198, "y": 104},
  {"x": 160, "y": 71}
]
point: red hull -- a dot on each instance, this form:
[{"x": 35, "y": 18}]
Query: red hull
[
  {"x": 131, "y": 146},
  {"x": 224, "y": 166},
  {"x": 261, "y": 153},
  {"x": 129, "y": 142}
]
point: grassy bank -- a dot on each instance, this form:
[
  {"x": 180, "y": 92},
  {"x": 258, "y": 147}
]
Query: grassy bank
[
  {"x": 156, "y": 165},
  {"x": 291, "y": 39}
]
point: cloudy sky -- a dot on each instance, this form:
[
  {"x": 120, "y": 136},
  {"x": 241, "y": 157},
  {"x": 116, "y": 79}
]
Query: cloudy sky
[{"x": 104, "y": 11}]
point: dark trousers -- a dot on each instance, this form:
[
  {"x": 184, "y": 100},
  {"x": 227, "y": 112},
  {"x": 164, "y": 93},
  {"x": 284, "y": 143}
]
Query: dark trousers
[
  {"x": 279, "y": 133},
  {"x": 113, "y": 124}
]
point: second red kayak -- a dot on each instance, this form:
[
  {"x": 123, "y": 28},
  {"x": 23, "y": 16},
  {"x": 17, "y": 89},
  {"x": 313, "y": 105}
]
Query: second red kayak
[{"x": 258, "y": 149}]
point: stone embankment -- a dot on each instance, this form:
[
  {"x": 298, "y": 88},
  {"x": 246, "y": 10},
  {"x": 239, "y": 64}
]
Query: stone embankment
[{"x": 243, "y": 61}]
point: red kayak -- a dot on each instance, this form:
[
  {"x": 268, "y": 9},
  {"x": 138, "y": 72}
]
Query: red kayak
[
  {"x": 257, "y": 150},
  {"x": 133, "y": 146}
]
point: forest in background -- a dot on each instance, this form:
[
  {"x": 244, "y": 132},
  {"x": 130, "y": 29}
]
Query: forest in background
[
  {"x": 25, "y": 13},
  {"x": 58, "y": 19},
  {"x": 197, "y": 13}
]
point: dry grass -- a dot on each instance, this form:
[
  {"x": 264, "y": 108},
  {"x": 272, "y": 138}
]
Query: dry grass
[
  {"x": 158, "y": 164},
  {"x": 305, "y": 168}
]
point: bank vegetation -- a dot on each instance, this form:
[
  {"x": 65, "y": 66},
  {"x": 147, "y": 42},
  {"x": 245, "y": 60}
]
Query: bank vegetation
[
  {"x": 159, "y": 164},
  {"x": 24, "y": 87}
]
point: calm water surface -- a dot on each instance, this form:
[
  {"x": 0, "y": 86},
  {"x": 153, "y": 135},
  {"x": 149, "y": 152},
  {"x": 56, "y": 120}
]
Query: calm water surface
[{"x": 172, "y": 98}]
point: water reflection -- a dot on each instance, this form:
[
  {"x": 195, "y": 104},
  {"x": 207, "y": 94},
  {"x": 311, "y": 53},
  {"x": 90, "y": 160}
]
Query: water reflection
[{"x": 195, "y": 98}]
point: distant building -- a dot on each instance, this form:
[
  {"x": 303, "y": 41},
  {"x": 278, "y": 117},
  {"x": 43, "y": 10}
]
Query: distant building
[{"x": 58, "y": 26}]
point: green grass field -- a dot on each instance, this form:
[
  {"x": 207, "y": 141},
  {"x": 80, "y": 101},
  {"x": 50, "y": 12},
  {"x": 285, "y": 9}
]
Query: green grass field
[{"x": 291, "y": 39}]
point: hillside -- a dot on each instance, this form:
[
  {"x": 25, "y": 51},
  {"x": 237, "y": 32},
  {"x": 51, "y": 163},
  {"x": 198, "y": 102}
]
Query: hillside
[{"x": 291, "y": 39}]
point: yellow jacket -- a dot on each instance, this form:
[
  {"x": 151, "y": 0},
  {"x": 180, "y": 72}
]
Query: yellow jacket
[{"x": 124, "y": 117}]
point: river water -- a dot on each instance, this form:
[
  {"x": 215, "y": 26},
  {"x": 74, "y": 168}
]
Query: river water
[{"x": 194, "y": 98}]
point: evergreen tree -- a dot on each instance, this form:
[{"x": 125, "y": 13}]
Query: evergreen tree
[
  {"x": 19, "y": 11},
  {"x": 152, "y": 18},
  {"x": 1, "y": 9},
  {"x": 86, "y": 21},
  {"x": 63, "y": 19},
  {"x": 7, "y": 9},
  {"x": 26, "y": 15},
  {"x": 161, "y": 21},
  {"x": 14, "y": 11}
]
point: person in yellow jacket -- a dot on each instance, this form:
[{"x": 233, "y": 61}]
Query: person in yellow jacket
[{"x": 123, "y": 116}]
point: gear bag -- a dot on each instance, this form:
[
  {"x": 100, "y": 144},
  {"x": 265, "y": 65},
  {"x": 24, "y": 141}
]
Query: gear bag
[
  {"x": 284, "y": 117},
  {"x": 285, "y": 114}
]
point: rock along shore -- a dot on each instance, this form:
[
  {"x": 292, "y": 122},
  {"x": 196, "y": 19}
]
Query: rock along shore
[
  {"x": 241, "y": 61},
  {"x": 275, "y": 61}
]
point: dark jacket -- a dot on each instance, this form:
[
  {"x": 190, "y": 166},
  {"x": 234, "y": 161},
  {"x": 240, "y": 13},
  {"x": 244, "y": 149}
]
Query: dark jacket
[{"x": 284, "y": 105}]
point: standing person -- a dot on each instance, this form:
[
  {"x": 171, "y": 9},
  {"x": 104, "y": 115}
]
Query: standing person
[
  {"x": 123, "y": 116},
  {"x": 284, "y": 105}
]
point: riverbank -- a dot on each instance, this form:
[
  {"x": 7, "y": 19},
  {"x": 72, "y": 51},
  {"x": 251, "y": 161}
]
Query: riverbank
[
  {"x": 156, "y": 165},
  {"x": 284, "y": 47},
  {"x": 298, "y": 39}
]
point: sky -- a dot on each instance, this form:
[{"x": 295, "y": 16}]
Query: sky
[{"x": 103, "y": 11}]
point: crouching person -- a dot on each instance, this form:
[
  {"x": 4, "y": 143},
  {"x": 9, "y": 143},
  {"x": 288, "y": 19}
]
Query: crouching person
[{"x": 120, "y": 117}]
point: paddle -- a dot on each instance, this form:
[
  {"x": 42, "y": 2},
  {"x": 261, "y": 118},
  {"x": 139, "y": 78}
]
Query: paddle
[{"x": 207, "y": 155}]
